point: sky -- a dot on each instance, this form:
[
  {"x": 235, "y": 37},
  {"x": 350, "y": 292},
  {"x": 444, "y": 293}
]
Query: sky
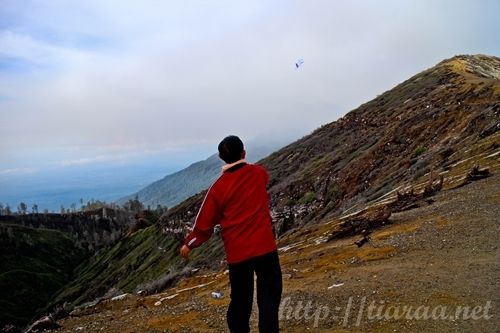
[{"x": 101, "y": 82}]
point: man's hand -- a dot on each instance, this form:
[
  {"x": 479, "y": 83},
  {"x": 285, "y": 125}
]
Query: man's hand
[{"x": 185, "y": 251}]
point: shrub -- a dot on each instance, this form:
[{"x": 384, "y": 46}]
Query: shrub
[
  {"x": 308, "y": 198},
  {"x": 418, "y": 151},
  {"x": 163, "y": 282},
  {"x": 335, "y": 192}
]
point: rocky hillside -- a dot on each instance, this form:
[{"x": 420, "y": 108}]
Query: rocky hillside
[
  {"x": 425, "y": 124},
  {"x": 173, "y": 189}
]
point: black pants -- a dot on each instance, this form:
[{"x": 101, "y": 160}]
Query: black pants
[{"x": 269, "y": 287}]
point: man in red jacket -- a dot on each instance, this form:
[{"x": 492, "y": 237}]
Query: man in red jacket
[{"x": 238, "y": 202}]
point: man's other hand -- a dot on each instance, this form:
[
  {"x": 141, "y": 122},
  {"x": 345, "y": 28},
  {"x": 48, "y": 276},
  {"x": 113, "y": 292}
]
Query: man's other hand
[{"x": 185, "y": 251}]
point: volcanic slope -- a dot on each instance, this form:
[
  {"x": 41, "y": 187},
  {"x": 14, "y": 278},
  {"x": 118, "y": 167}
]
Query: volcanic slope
[
  {"x": 428, "y": 123},
  {"x": 441, "y": 256},
  {"x": 441, "y": 122}
]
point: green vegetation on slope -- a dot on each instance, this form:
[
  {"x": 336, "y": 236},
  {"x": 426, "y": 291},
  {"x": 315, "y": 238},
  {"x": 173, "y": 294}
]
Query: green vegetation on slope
[
  {"x": 34, "y": 264},
  {"x": 180, "y": 185},
  {"x": 140, "y": 259}
]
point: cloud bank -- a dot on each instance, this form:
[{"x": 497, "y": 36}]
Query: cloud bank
[{"x": 115, "y": 76}]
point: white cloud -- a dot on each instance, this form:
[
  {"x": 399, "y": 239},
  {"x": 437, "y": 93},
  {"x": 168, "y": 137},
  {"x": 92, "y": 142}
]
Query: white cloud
[
  {"x": 17, "y": 171},
  {"x": 25, "y": 47},
  {"x": 159, "y": 74},
  {"x": 88, "y": 160}
]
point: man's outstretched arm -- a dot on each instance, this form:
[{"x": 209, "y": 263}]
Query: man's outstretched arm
[{"x": 207, "y": 218}]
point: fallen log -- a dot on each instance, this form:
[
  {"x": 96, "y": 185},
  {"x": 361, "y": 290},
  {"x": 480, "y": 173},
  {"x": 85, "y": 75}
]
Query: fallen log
[
  {"x": 410, "y": 200},
  {"x": 366, "y": 221},
  {"x": 44, "y": 323},
  {"x": 477, "y": 173},
  {"x": 432, "y": 187}
]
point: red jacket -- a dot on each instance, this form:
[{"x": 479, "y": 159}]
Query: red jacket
[{"x": 238, "y": 201}]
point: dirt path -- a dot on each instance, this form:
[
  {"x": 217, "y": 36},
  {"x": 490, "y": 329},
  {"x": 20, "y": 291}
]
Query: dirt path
[{"x": 438, "y": 258}]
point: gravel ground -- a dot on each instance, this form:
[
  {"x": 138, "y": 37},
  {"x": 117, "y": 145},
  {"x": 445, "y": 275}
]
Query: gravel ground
[{"x": 445, "y": 255}]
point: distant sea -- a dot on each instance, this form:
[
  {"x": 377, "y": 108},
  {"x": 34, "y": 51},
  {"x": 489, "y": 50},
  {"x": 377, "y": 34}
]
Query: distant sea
[{"x": 52, "y": 187}]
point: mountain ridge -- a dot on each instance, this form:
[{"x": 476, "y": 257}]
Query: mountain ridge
[
  {"x": 440, "y": 122},
  {"x": 178, "y": 186}
]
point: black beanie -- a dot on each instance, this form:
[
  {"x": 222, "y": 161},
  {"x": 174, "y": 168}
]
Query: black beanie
[{"x": 230, "y": 149}]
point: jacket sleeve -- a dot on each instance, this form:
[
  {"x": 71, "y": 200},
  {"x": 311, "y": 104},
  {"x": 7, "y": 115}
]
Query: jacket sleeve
[
  {"x": 265, "y": 175},
  {"x": 208, "y": 216}
]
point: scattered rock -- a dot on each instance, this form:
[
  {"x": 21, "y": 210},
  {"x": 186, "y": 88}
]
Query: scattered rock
[{"x": 216, "y": 294}]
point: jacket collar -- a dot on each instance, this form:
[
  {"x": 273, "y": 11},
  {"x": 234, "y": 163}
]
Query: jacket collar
[{"x": 230, "y": 165}]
